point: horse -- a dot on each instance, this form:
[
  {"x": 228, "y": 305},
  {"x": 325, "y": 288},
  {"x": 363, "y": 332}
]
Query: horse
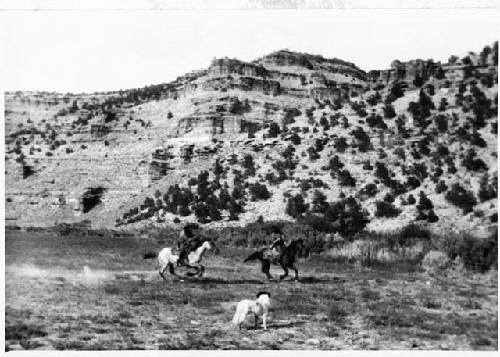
[
  {"x": 168, "y": 259},
  {"x": 286, "y": 259}
]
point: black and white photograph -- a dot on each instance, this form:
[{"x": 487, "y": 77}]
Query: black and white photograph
[{"x": 250, "y": 175}]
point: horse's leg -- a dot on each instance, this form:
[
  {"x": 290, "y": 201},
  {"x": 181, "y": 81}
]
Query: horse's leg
[
  {"x": 171, "y": 269},
  {"x": 192, "y": 267},
  {"x": 266, "y": 265},
  {"x": 294, "y": 267},
  {"x": 202, "y": 270},
  {"x": 162, "y": 271},
  {"x": 286, "y": 272},
  {"x": 256, "y": 320}
]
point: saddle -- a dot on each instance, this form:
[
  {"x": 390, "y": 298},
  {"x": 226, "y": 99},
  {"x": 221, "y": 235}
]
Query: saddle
[{"x": 272, "y": 255}]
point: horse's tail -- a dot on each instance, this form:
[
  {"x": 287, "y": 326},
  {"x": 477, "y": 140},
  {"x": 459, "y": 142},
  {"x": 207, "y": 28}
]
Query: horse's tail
[
  {"x": 253, "y": 256},
  {"x": 150, "y": 255}
]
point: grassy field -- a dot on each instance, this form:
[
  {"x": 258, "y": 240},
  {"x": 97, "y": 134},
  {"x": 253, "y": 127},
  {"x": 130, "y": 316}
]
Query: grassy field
[{"x": 95, "y": 293}]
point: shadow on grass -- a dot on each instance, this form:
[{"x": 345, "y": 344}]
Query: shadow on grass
[
  {"x": 315, "y": 280},
  {"x": 278, "y": 325},
  {"x": 224, "y": 281},
  {"x": 302, "y": 280}
]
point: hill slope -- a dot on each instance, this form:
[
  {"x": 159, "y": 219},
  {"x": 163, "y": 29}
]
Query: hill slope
[{"x": 287, "y": 136}]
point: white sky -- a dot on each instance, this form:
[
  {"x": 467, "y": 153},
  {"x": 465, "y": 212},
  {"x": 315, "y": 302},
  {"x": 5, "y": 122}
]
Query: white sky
[{"x": 110, "y": 50}]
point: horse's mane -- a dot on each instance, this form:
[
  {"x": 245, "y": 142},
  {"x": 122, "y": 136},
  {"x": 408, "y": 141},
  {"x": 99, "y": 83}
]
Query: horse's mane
[
  {"x": 263, "y": 293},
  {"x": 295, "y": 242},
  {"x": 199, "y": 243}
]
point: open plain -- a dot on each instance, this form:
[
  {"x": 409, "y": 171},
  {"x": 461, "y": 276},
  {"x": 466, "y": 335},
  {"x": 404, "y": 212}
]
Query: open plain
[{"x": 91, "y": 293}]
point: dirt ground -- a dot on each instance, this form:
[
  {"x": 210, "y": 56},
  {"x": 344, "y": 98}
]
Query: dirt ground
[{"x": 95, "y": 293}]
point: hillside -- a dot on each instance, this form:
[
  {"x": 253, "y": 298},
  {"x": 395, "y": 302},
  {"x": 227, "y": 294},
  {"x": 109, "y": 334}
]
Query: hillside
[{"x": 289, "y": 136}]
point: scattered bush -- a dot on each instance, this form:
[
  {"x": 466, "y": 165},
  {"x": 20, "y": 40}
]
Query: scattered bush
[
  {"x": 296, "y": 206},
  {"x": 340, "y": 144},
  {"x": 473, "y": 164},
  {"x": 345, "y": 178},
  {"x": 389, "y": 111},
  {"x": 369, "y": 190},
  {"x": 259, "y": 192},
  {"x": 295, "y": 138},
  {"x": 487, "y": 191},
  {"x": 386, "y": 209},
  {"x": 460, "y": 197},
  {"x": 441, "y": 187},
  {"x": 476, "y": 254}
]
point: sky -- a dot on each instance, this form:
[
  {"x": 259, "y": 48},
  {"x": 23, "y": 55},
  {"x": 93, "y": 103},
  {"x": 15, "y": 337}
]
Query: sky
[{"x": 86, "y": 51}]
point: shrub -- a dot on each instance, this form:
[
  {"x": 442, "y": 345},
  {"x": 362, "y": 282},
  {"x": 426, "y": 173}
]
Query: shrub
[
  {"x": 367, "y": 165},
  {"x": 476, "y": 254},
  {"x": 424, "y": 203},
  {"x": 184, "y": 210},
  {"x": 441, "y": 187},
  {"x": 442, "y": 150},
  {"x": 340, "y": 144},
  {"x": 345, "y": 178},
  {"x": 439, "y": 73},
  {"x": 400, "y": 152},
  {"x": 313, "y": 155},
  {"x": 235, "y": 208},
  {"x": 443, "y": 104},
  {"x": 271, "y": 178},
  {"x": 319, "y": 204},
  {"x": 370, "y": 190},
  {"x": 418, "y": 81},
  {"x": 362, "y": 139},
  {"x": 460, "y": 197},
  {"x": 274, "y": 130},
  {"x": 374, "y": 99},
  {"x": 412, "y": 183},
  {"x": 397, "y": 90},
  {"x": 334, "y": 164},
  {"x": 259, "y": 192},
  {"x": 213, "y": 212},
  {"x": 238, "y": 107},
  {"x": 203, "y": 188},
  {"x": 389, "y": 111},
  {"x": 421, "y": 110},
  {"x": 382, "y": 172},
  {"x": 305, "y": 185},
  {"x": 296, "y": 206},
  {"x": 295, "y": 138},
  {"x": 376, "y": 121},
  {"x": 411, "y": 200},
  {"x": 473, "y": 164},
  {"x": 201, "y": 211},
  {"x": 386, "y": 209},
  {"x": 487, "y": 191},
  {"x": 318, "y": 223},
  {"x": 346, "y": 217},
  {"x": 359, "y": 108},
  {"x": 248, "y": 165},
  {"x": 441, "y": 122},
  {"x": 476, "y": 139},
  {"x": 431, "y": 90}
]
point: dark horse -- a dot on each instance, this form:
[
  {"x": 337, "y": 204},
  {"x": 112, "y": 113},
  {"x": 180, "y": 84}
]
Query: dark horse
[{"x": 286, "y": 258}]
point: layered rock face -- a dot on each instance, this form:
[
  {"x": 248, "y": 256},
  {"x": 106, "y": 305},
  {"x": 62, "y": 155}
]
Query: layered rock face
[{"x": 113, "y": 149}]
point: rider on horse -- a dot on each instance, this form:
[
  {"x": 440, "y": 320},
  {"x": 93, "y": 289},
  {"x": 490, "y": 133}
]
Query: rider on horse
[
  {"x": 277, "y": 245},
  {"x": 189, "y": 240}
]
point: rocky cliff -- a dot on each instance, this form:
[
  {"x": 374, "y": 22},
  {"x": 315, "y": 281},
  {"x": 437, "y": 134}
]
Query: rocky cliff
[{"x": 277, "y": 122}]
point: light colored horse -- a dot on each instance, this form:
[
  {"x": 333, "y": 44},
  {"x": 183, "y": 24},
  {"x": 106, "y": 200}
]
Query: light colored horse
[{"x": 168, "y": 259}]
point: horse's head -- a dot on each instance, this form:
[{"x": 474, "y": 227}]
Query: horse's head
[
  {"x": 210, "y": 245},
  {"x": 299, "y": 244}
]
